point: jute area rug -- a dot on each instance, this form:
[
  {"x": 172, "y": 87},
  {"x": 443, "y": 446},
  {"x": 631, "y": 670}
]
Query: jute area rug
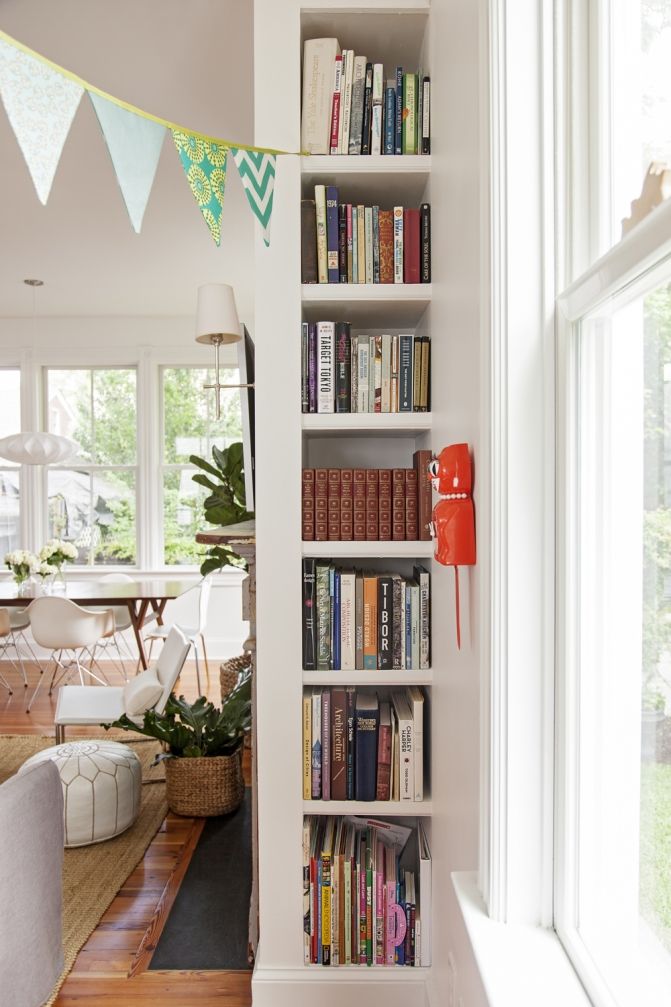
[{"x": 92, "y": 875}]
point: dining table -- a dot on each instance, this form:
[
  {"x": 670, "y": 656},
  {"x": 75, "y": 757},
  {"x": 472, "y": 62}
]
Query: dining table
[{"x": 145, "y": 599}]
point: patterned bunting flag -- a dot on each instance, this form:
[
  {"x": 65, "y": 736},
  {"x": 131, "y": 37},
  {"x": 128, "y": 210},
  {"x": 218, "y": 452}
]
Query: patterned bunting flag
[
  {"x": 257, "y": 174},
  {"x": 40, "y": 104},
  {"x": 205, "y": 167},
  {"x": 135, "y": 145}
]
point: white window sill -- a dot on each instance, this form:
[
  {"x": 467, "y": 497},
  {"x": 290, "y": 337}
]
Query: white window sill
[{"x": 520, "y": 966}]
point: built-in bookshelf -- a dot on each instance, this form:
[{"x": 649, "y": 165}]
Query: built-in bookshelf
[{"x": 396, "y": 35}]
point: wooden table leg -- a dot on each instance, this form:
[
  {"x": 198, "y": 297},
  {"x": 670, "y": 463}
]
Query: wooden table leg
[
  {"x": 137, "y": 617},
  {"x": 158, "y": 605}
]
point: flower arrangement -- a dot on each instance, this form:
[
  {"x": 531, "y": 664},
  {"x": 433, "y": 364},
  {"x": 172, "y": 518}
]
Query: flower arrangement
[
  {"x": 45, "y": 570},
  {"x": 56, "y": 552},
  {"x": 22, "y": 564}
]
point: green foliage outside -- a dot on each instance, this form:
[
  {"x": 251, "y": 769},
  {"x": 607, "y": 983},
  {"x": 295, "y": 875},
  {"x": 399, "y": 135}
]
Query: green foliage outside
[
  {"x": 226, "y": 503},
  {"x": 194, "y": 730},
  {"x": 655, "y": 850}
]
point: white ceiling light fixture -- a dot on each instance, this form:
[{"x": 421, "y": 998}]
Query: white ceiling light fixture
[
  {"x": 217, "y": 323},
  {"x": 37, "y": 448}
]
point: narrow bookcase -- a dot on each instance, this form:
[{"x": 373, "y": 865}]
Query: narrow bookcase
[{"x": 288, "y": 441}]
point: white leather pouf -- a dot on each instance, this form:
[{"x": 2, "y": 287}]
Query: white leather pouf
[{"x": 102, "y": 788}]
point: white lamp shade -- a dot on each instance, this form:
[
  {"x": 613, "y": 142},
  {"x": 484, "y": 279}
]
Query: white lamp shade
[
  {"x": 38, "y": 448},
  {"x": 217, "y": 316}
]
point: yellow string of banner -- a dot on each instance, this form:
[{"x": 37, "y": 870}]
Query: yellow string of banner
[{"x": 139, "y": 111}]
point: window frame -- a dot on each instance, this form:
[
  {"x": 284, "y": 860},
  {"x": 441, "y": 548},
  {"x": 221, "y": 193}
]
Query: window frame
[{"x": 34, "y": 360}]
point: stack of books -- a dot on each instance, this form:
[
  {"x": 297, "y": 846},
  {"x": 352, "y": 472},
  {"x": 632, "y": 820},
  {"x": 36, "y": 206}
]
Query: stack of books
[
  {"x": 366, "y": 892},
  {"x": 353, "y": 243},
  {"x": 351, "y": 107},
  {"x": 356, "y": 620},
  {"x": 360, "y": 745},
  {"x": 367, "y": 505},
  {"x": 343, "y": 373}
]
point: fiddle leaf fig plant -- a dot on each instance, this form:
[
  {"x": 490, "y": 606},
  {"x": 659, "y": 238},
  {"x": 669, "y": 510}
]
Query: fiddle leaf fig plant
[
  {"x": 224, "y": 477},
  {"x": 197, "y": 730}
]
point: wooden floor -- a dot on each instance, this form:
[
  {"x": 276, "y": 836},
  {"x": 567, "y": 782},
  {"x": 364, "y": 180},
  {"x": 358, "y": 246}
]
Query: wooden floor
[{"x": 111, "y": 967}]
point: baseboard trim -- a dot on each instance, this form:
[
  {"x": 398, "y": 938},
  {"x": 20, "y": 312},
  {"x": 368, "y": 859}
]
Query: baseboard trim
[{"x": 393, "y": 987}]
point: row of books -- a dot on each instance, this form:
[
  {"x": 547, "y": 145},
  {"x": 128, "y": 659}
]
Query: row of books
[
  {"x": 366, "y": 892},
  {"x": 366, "y": 505},
  {"x": 353, "y": 243},
  {"x": 349, "y": 107},
  {"x": 357, "y": 620},
  {"x": 360, "y": 745},
  {"x": 343, "y": 373}
]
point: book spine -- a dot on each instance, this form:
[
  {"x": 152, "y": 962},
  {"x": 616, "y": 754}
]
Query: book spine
[
  {"x": 347, "y": 109},
  {"x": 398, "y": 131},
  {"x": 398, "y": 244},
  {"x": 338, "y": 745},
  {"x": 386, "y": 229},
  {"x": 411, "y": 505},
  {"x": 422, "y": 578},
  {"x": 384, "y": 505},
  {"x": 417, "y": 703},
  {"x": 321, "y": 505},
  {"x": 326, "y": 745},
  {"x": 410, "y": 113},
  {"x": 397, "y": 616},
  {"x": 335, "y": 105},
  {"x": 323, "y": 617},
  {"x": 411, "y": 246},
  {"x": 320, "y": 216},
  {"x": 395, "y": 371},
  {"x": 305, "y": 401},
  {"x": 308, "y": 241},
  {"x": 398, "y": 505},
  {"x": 350, "y": 699},
  {"x": 425, "y": 378},
  {"x": 334, "y": 505},
  {"x": 376, "y": 112},
  {"x": 383, "y": 790},
  {"x": 385, "y": 395},
  {"x": 318, "y": 60},
  {"x": 312, "y": 367},
  {"x": 376, "y": 244},
  {"x": 361, "y": 241},
  {"x": 425, "y": 243},
  {"x": 326, "y": 908},
  {"x": 362, "y": 901},
  {"x": 376, "y": 373},
  {"x": 332, "y": 239},
  {"x": 356, "y": 119},
  {"x": 348, "y": 232},
  {"x": 369, "y": 897},
  {"x": 346, "y": 55},
  {"x": 372, "y": 506},
  {"x": 366, "y": 724},
  {"x": 309, "y": 612},
  {"x": 389, "y": 118},
  {"x": 308, "y": 506},
  {"x": 316, "y": 745},
  {"x": 368, "y": 230},
  {"x": 355, "y": 246},
  {"x": 343, "y": 367},
  {"x": 405, "y": 375},
  {"x": 342, "y": 243},
  {"x": 367, "y": 110},
  {"x": 370, "y": 623},
  {"x": 358, "y": 623},
  {"x": 359, "y": 508},
  {"x": 326, "y": 391},
  {"x": 379, "y": 909},
  {"x": 363, "y": 364},
  {"x": 421, "y": 461},
  {"x": 336, "y": 621},
  {"x": 354, "y": 373},
  {"x": 384, "y": 615},
  {"x": 347, "y": 508},
  {"x": 307, "y": 943},
  {"x": 307, "y": 748},
  {"x": 426, "y": 115},
  {"x": 408, "y": 627}
]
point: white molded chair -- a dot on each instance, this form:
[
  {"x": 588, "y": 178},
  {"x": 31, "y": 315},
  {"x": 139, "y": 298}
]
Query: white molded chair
[
  {"x": 147, "y": 691},
  {"x": 70, "y": 633},
  {"x": 192, "y": 634},
  {"x": 13, "y": 624}
]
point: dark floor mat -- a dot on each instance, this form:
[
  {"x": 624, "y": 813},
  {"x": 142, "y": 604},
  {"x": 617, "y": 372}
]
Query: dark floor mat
[{"x": 207, "y": 925}]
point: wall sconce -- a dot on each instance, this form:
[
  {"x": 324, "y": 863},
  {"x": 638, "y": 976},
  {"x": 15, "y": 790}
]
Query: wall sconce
[{"x": 217, "y": 323}]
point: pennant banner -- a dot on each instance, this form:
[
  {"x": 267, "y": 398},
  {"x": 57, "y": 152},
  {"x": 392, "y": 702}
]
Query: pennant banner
[
  {"x": 257, "y": 174},
  {"x": 205, "y": 165},
  {"x": 40, "y": 105},
  {"x": 135, "y": 145}
]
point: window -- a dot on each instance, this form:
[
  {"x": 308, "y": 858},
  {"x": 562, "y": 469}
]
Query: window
[
  {"x": 190, "y": 428},
  {"x": 91, "y": 502},
  {"x": 10, "y": 423}
]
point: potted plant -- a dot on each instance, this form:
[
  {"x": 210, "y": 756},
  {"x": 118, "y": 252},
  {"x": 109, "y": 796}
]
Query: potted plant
[
  {"x": 226, "y": 504},
  {"x": 203, "y": 750}
]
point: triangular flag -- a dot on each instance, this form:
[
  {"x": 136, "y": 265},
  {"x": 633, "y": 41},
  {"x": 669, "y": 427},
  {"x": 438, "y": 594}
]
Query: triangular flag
[
  {"x": 205, "y": 166},
  {"x": 257, "y": 174},
  {"x": 40, "y": 104},
  {"x": 135, "y": 145}
]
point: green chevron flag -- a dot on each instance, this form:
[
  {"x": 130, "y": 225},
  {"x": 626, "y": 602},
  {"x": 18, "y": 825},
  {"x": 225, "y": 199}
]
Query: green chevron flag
[{"x": 257, "y": 174}]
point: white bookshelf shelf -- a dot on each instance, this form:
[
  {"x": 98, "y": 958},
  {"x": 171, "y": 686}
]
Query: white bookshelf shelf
[
  {"x": 382, "y": 424},
  {"x": 370, "y": 179},
  {"x": 369, "y": 550},
  {"x": 372, "y": 678},
  {"x": 365, "y": 973},
  {"x": 400, "y": 304},
  {"x": 366, "y": 164},
  {"x": 370, "y": 809}
]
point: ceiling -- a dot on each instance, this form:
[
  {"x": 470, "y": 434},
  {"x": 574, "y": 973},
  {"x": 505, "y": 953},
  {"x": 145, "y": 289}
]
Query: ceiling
[{"x": 190, "y": 63}]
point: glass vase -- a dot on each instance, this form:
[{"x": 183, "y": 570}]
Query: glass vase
[
  {"x": 23, "y": 586},
  {"x": 58, "y": 584}
]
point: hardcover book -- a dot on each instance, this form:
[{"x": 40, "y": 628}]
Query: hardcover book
[
  {"x": 322, "y": 246},
  {"x": 326, "y": 745},
  {"x": 316, "y": 744},
  {"x": 332, "y": 235},
  {"x": 386, "y": 227},
  {"x": 319, "y": 55},
  {"x": 338, "y": 745},
  {"x": 383, "y": 788},
  {"x": 308, "y": 241},
  {"x": 405, "y": 375},
  {"x": 335, "y": 105},
  {"x": 425, "y": 242},
  {"x": 411, "y": 254},
  {"x": 307, "y": 747},
  {"x": 325, "y": 376},
  {"x": 309, "y": 613},
  {"x": 343, "y": 367},
  {"x": 421, "y": 461},
  {"x": 398, "y": 243},
  {"x": 366, "y": 719},
  {"x": 323, "y": 616},
  {"x": 369, "y": 622},
  {"x": 385, "y": 660},
  {"x": 356, "y": 119}
]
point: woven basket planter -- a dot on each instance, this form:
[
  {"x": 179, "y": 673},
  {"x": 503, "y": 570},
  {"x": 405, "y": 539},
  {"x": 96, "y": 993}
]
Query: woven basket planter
[
  {"x": 200, "y": 788},
  {"x": 229, "y": 671}
]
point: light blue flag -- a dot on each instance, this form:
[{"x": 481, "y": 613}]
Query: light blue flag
[{"x": 135, "y": 145}]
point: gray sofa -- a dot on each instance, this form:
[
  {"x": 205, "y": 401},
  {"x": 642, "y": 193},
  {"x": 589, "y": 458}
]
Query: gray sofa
[{"x": 31, "y": 865}]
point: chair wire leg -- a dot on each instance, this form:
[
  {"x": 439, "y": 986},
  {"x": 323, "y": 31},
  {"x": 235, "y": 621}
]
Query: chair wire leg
[
  {"x": 5, "y": 683},
  {"x": 195, "y": 652},
  {"x": 207, "y": 666}
]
